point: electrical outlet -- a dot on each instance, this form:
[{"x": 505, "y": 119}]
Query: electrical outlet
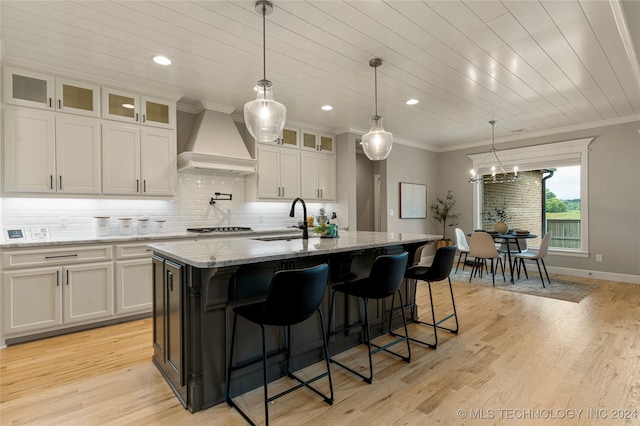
[
  {"x": 390, "y": 212},
  {"x": 63, "y": 222},
  {"x": 598, "y": 258}
]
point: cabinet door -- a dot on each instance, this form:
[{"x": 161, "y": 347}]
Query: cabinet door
[
  {"x": 76, "y": 97},
  {"x": 27, "y": 88},
  {"x": 159, "y": 309},
  {"x": 309, "y": 140},
  {"x": 327, "y": 176},
  {"x": 31, "y": 300},
  {"x": 29, "y": 150},
  {"x": 77, "y": 154},
  {"x": 120, "y": 105},
  {"x": 88, "y": 292},
  {"x": 309, "y": 189},
  {"x": 134, "y": 293},
  {"x": 290, "y": 138},
  {"x": 158, "y": 112},
  {"x": 327, "y": 144},
  {"x": 120, "y": 159},
  {"x": 157, "y": 161},
  {"x": 268, "y": 172},
  {"x": 290, "y": 173},
  {"x": 174, "y": 333}
]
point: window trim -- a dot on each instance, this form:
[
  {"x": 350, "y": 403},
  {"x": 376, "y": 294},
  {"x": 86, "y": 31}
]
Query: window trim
[{"x": 556, "y": 154}]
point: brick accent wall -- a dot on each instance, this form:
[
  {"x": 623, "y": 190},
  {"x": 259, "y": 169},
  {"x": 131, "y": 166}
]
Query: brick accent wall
[{"x": 523, "y": 200}]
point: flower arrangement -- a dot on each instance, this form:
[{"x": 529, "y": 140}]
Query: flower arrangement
[
  {"x": 442, "y": 210},
  {"x": 498, "y": 214}
]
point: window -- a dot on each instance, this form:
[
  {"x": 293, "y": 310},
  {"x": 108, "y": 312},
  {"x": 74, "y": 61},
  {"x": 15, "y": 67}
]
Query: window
[{"x": 551, "y": 194}]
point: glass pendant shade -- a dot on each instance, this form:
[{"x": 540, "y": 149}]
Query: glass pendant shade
[
  {"x": 377, "y": 143},
  {"x": 265, "y": 117}
]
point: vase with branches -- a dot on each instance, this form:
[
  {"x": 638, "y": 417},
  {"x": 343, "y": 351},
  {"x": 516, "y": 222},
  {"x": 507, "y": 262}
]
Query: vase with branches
[
  {"x": 498, "y": 216},
  {"x": 443, "y": 212}
]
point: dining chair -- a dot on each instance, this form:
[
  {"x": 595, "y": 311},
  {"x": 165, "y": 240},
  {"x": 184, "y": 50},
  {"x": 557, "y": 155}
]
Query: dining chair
[
  {"x": 538, "y": 257},
  {"x": 463, "y": 247},
  {"x": 482, "y": 248}
]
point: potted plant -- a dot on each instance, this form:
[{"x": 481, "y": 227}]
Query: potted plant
[
  {"x": 499, "y": 216},
  {"x": 442, "y": 210}
]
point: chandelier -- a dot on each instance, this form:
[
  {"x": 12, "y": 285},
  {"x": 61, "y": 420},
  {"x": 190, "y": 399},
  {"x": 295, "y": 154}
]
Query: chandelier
[
  {"x": 264, "y": 117},
  {"x": 500, "y": 176},
  {"x": 377, "y": 143}
]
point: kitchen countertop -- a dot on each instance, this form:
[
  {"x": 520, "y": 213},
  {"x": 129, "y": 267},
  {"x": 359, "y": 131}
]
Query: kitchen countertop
[
  {"x": 115, "y": 239},
  {"x": 219, "y": 252}
]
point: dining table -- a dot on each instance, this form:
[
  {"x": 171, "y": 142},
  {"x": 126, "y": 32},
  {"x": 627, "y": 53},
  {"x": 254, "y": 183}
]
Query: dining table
[{"x": 508, "y": 239}]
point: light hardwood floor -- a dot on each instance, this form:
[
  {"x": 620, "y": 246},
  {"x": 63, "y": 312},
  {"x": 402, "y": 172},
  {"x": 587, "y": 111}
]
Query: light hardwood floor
[{"x": 516, "y": 357}]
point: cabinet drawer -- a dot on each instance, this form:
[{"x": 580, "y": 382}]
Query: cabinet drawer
[
  {"x": 59, "y": 256},
  {"x": 132, "y": 251}
]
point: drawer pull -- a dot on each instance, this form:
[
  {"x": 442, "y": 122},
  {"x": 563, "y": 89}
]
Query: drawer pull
[{"x": 61, "y": 256}]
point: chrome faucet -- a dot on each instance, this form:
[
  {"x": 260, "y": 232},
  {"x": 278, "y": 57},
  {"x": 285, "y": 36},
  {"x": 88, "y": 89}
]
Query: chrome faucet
[{"x": 305, "y": 232}]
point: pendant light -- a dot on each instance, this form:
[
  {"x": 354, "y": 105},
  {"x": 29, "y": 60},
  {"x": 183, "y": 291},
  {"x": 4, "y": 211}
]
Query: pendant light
[
  {"x": 377, "y": 143},
  {"x": 264, "y": 117},
  {"x": 502, "y": 177}
]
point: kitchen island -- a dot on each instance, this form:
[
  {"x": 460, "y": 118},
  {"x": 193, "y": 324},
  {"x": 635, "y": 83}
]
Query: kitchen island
[{"x": 197, "y": 284}]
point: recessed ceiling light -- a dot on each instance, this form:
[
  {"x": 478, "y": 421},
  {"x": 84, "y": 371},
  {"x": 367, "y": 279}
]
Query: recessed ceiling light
[
  {"x": 327, "y": 108},
  {"x": 128, "y": 106},
  {"x": 412, "y": 101},
  {"x": 162, "y": 60}
]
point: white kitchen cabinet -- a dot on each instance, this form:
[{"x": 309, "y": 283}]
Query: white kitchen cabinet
[
  {"x": 278, "y": 172},
  {"x": 138, "y": 161},
  {"x": 318, "y": 178},
  {"x": 39, "y": 90},
  {"x": 87, "y": 292},
  {"x": 31, "y": 300},
  {"x": 134, "y": 279},
  {"x": 313, "y": 141},
  {"x": 48, "y": 289},
  {"x": 48, "y": 153},
  {"x": 121, "y": 105}
]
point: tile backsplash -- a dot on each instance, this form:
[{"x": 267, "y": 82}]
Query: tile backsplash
[{"x": 74, "y": 217}]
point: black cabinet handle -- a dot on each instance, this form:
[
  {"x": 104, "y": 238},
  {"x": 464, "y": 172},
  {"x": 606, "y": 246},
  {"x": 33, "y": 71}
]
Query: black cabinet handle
[
  {"x": 50, "y": 181},
  {"x": 60, "y": 182},
  {"x": 60, "y": 256},
  {"x": 144, "y": 185},
  {"x": 136, "y": 117},
  {"x": 50, "y": 104},
  {"x": 59, "y": 103},
  {"x": 137, "y": 185},
  {"x": 67, "y": 277},
  {"x": 57, "y": 278},
  {"x": 144, "y": 118}
]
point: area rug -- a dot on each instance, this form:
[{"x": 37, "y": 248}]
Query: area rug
[{"x": 561, "y": 287}]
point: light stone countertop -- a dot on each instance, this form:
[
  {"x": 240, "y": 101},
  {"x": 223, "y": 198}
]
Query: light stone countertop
[
  {"x": 219, "y": 252},
  {"x": 134, "y": 238}
]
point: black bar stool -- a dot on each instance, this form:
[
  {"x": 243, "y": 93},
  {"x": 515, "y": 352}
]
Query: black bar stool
[
  {"x": 383, "y": 281},
  {"x": 439, "y": 270},
  {"x": 293, "y": 297}
]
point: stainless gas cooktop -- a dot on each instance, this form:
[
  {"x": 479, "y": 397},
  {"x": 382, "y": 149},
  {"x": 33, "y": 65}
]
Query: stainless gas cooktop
[{"x": 218, "y": 229}]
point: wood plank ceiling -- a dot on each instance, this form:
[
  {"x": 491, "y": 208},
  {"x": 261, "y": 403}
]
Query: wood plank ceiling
[{"x": 534, "y": 66}]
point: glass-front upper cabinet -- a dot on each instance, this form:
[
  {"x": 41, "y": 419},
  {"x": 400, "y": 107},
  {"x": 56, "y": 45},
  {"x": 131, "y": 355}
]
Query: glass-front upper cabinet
[
  {"x": 77, "y": 97},
  {"x": 313, "y": 141},
  {"x": 290, "y": 138},
  {"x": 120, "y": 105},
  {"x": 133, "y": 108},
  {"x": 38, "y": 90},
  {"x": 157, "y": 112},
  {"x": 327, "y": 143}
]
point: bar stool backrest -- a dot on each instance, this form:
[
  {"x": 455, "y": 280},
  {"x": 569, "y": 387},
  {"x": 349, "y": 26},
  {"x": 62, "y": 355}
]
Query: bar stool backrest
[
  {"x": 442, "y": 264},
  {"x": 387, "y": 274},
  {"x": 294, "y": 295}
]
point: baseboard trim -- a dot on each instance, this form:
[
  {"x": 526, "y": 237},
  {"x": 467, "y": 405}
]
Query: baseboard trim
[{"x": 583, "y": 273}]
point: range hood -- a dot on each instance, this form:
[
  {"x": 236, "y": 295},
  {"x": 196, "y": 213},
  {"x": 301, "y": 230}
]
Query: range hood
[{"x": 215, "y": 144}]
